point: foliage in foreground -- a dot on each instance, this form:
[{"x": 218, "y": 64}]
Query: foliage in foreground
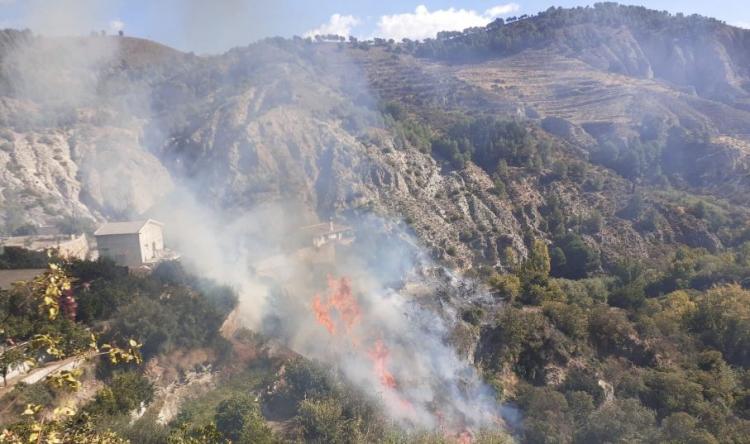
[{"x": 33, "y": 312}]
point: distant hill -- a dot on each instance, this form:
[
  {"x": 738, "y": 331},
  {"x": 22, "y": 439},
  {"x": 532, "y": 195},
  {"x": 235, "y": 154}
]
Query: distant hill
[{"x": 691, "y": 51}]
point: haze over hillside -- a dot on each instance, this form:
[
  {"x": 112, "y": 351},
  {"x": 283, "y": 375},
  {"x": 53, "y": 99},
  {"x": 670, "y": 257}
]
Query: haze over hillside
[{"x": 611, "y": 143}]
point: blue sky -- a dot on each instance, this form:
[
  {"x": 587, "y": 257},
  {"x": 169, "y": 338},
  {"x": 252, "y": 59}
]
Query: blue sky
[{"x": 216, "y": 25}]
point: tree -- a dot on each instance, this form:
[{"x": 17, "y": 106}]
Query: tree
[
  {"x": 580, "y": 259},
  {"x": 522, "y": 341},
  {"x": 622, "y": 421},
  {"x": 323, "y": 421},
  {"x": 722, "y": 320},
  {"x": 581, "y": 404},
  {"x": 570, "y": 319},
  {"x": 559, "y": 170},
  {"x": 125, "y": 392},
  {"x": 13, "y": 258},
  {"x": 548, "y": 420},
  {"x": 508, "y": 286},
  {"x": 196, "y": 435},
  {"x": 593, "y": 223},
  {"x": 680, "y": 428},
  {"x": 238, "y": 419},
  {"x": 75, "y": 225},
  {"x": 499, "y": 188},
  {"x": 9, "y": 361},
  {"x": 558, "y": 261},
  {"x": 670, "y": 392},
  {"x": 502, "y": 171},
  {"x": 675, "y": 310},
  {"x": 536, "y": 268},
  {"x": 611, "y": 332}
]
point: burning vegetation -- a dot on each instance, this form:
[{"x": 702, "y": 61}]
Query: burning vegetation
[{"x": 398, "y": 371}]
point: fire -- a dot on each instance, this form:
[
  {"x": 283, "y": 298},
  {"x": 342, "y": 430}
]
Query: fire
[
  {"x": 340, "y": 299},
  {"x": 379, "y": 355},
  {"x": 464, "y": 437},
  {"x": 321, "y": 310},
  {"x": 338, "y": 311}
]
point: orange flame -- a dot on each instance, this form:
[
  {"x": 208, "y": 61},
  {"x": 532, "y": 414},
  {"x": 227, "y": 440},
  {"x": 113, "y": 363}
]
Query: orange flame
[
  {"x": 379, "y": 355},
  {"x": 320, "y": 309},
  {"x": 341, "y": 299},
  {"x": 464, "y": 437},
  {"x": 339, "y": 308}
]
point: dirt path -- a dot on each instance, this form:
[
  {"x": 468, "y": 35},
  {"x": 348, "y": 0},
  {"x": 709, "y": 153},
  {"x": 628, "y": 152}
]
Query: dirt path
[{"x": 41, "y": 372}]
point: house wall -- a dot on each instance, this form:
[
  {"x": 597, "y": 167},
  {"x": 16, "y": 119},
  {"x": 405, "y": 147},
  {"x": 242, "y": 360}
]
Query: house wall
[
  {"x": 152, "y": 243},
  {"x": 77, "y": 247},
  {"x": 124, "y": 249}
]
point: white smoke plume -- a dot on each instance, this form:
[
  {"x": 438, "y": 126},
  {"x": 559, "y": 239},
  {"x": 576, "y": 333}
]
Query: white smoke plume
[{"x": 381, "y": 336}]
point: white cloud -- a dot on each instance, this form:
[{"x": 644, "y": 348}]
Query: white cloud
[
  {"x": 338, "y": 24},
  {"x": 745, "y": 25},
  {"x": 116, "y": 25},
  {"x": 500, "y": 10},
  {"x": 423, "y": 23}
]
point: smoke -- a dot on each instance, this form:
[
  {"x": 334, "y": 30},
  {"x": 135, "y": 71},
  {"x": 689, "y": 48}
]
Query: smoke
[
  {"x": 69, "y": 92},
  {"x": 63, "y": 17},
  {"x": 353, "y": 312},
  {"x": 71, "y": 74},
  {"x": 58, "y": 70}
]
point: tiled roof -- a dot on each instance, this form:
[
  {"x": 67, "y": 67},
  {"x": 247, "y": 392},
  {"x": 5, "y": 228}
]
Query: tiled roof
[{"x": 130, "y": 227}]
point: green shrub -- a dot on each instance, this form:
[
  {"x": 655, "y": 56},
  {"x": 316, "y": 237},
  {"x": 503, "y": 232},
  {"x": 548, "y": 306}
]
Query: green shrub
[
  {"x": 570, "y": 319},
  {"x": 124, "y": 393},
  {"x": 238, "y": 419},
  {"x": 507, "y": 286},
  {"x": 322, "y": 421},
  {"x": 624, "y": 420},
  {"x": 13, "y": 258},
  {"x": 580, "y": 259}
]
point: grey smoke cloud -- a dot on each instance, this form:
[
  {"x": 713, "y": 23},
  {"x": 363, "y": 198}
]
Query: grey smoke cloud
[
  {"x": 70, "y": 89},
  {"x": 433, "y": 388}
]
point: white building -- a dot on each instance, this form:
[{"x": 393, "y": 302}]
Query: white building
[
  {"x": 322, "y": 234},
  {"x": 131, "y": 244}
]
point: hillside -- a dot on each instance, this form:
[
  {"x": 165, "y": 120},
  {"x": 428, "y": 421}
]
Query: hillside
[{"x": 565, "y": 197}]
